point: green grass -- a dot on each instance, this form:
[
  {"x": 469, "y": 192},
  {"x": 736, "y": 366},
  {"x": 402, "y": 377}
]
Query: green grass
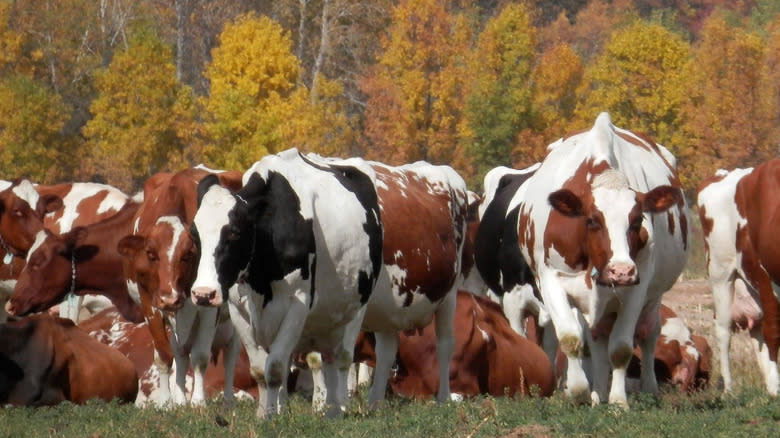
[{"x": 748, "y": 412}]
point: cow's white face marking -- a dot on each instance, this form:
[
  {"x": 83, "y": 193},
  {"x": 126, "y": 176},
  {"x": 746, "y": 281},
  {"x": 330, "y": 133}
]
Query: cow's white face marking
[
  {"x": 211, "y": 217},
  {"x": 39, "y": 239},
  {"x": 177, "y": 230},
  {"x": 132, "y": 290},
  {"x": 26, "y": 192},
  {"x": 615, "y": 205}
]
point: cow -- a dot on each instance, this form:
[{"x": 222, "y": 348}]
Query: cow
[
  {"x": 81, "y": 261},
  {"x": 160, "y": 261},
  {"x": 135, "y": 342},
  {"x": 424, "y": 211},
  {"x": 488, "y": 356},
  {"x": 45, "y": 360},
  {"x": 603, "y": 225},
  {"x": 738, "y": 210},
  {"x": 296, "y": 252},
  {"x": 26, "y": 209},
  {"x": 682, "y": 359},
  {"x": 497, "y": 256}
]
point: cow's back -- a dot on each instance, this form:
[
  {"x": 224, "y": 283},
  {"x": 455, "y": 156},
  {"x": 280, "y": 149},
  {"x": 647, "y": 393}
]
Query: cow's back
[{"x": 424, "y": 212}]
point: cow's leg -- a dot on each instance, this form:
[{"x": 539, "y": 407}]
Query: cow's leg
[
  {"x": 336, "y": 369},
  {"x": 229, "y": 360},
  {"x": 277, "y": 366},
  {"x": 621, "y": 347},
  {"x": 386, "y": 347},
  {"x": 767, "y": 366},
  {"x": 569, "y": 334},
  {"x": 513, "y": 303},
  {"x": 314, "y": 361},
  {"x": 647, "y": 378},
  {"x": 723, "y": 295},
  {"x": 240, "y": 307},
  {"x": 599, "y": 368},
  {"x": 445, "y": 341},
  {"x": 182, "y": 328},
  {"x": 205, "y": 329},
  {"x": 163, "y": 366}
]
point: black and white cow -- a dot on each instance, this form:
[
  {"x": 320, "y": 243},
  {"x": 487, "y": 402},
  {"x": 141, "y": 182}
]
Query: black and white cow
[{"x": 296, "y": 252}]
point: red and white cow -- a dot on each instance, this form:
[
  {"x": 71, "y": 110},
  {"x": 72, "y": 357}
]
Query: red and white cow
[
  {"x": 681, "y": 358},
  {"x": 161, "y": 263},
  {"x": 26, "y": 209},
  {"x": 45, "y": 360},
  {"x": 603, "y": 225},
  {"x": 135, "y": 342},
  {"x": 488, "y": 356},
  {"x": 298, "y": 249},
  {"x": 739, "y": 212},
  {"x": 424, "y": 211}
]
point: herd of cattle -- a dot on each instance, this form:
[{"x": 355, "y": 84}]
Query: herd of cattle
[{"x": 551, "y": 279}]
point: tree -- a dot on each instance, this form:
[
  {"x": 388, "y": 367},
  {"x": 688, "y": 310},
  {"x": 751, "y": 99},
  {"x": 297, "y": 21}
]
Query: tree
[
  {"x": 639, "y": 80},
  {"x": 415, "y": 91},
  {"x": 253, "y": 78},
  {"x": 499, "y": 101},
  {"x": 556, "y": 78},
  {"x": 732, "y": 111},
  {"x": 141, "y": 126},
  {"x": 31, "y": 117}
]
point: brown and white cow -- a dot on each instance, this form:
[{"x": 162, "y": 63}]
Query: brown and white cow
[
  {"x": 682, "y": 359},
  {"x": 603, "y": 226},
  {"x": 45, "y": 360},
  {"x": 739, "y": 212},
  {"x": 135, "y": 342},
  {"x": 488, "y": 356},
  {"x": 424, "y": 211},
  {"x": 161, "y": 261},
  {"x": 26, "y": 209}
]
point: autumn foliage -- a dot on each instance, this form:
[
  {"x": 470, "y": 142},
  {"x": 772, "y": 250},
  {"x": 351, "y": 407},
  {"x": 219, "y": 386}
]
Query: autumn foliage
[{"x": 117, "y": 90}]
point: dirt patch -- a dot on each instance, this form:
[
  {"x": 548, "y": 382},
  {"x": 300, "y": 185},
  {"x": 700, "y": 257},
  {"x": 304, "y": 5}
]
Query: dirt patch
[{"x": 530, "y": 430}]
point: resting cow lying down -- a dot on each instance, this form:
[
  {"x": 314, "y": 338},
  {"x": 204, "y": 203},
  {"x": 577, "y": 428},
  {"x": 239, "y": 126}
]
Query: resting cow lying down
[
  {"x": 135, "y": 342},
  {"x": 488, "y": 357},
  {"x": 45, "y": 360},
  {"x": 681, "y": 358}
]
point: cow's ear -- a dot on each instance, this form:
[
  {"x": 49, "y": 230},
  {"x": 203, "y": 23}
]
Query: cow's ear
[
  {"x": 231, "y": 180},
  {"x": 130, "y": 245},
  {"x": 660, "y": 199},
  {"x": 566, "y": 203},
  {"x": 254, "y": 191},
  {"x": 205, "y": 184},
  {"x": 48, "y": 204}
]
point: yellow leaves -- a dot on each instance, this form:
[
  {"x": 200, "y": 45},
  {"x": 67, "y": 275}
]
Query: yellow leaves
[
  {"x": 138, "y": 125},
  {"x": 31, "y": 117}
]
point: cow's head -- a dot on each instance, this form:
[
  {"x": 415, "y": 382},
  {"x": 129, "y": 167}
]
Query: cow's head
[
  {"x": 224, "y": 235},
  {"x": 50, "y": 271},
  {"x": 162, "y": 263},
  {"x": 610, "y": 218},
  {"x": 21, "y": 215}
]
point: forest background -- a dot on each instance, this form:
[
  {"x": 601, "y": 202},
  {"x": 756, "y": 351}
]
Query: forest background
[{"x": 116, "y": 90}]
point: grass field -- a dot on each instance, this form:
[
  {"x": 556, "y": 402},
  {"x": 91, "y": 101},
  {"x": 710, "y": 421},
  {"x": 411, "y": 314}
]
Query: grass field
[{"x": 748, "y": 412}]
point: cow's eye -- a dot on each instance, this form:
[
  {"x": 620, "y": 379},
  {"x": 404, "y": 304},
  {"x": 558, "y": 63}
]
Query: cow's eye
[
  {"x": 151, "y": 255},
  {"x": 592, "y": 224},
  {"x": 233, "y": 234},
  {"x": 17, "y": 212}
]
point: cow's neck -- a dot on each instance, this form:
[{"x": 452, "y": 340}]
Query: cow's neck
[{"x": 103, "y": 274}]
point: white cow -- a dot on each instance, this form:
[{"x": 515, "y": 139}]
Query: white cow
[{"x": 603, "y": 226}]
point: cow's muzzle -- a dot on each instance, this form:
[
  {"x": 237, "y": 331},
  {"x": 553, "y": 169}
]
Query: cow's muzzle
[
  {"x": 619, "y": 274},
  {"x": 206, "y": 296}
]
